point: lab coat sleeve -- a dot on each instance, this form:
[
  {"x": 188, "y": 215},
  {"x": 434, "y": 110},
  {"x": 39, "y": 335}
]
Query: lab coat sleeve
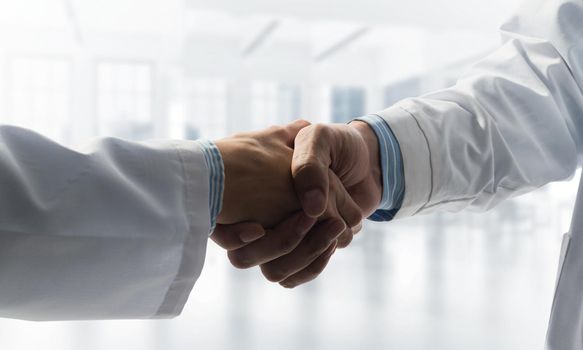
[
  {"x": 513, "y": 123},
  {"x": 111, "y": 230}
]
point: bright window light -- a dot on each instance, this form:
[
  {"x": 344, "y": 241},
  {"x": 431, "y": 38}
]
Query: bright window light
[
  {"x": 40, "y": 95},
  {"x": 124, "y": 99}
]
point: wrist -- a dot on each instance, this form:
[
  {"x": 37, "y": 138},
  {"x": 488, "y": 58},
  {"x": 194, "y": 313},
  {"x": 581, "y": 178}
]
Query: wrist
[
  {"x": 216, "y": 175},
  {"x": 232, "y": 172},
  {"x": 373, "y": 153}
]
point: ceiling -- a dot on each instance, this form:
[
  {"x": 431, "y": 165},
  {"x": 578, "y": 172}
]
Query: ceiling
[
  {"x": 419, "y": 13},
  {"x": 165, "y": 15},
  {"x": 322, "y": 24}
]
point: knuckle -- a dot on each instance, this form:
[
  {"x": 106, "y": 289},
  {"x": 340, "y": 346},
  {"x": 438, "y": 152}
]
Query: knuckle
[
  {"x": 308, "y": 130},
  {"x": 314, "y": 132},
  {"x": 345, "y": 240},
  {"x": 353, "y": 218},
  {"x": 287, "y": 244},
  {"x": 321, "y": 129},
  {"x": 349, "y": 211},
  {"x": 274, "y": 128},
  {"x": 277, "y": 131},
  {"x": 319, "y": 244},
  {"x": 333, "y": 232},
  {"x": 302, "y": 122}
]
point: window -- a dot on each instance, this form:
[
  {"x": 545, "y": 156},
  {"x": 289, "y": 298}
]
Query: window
[
  {"x": 401, "y": 90},
  {"x": 347, "y": 103},
  {"x": 124, "y": 99},
  {"x": 289, "y": 103},
  {"x": 40, "y": 95},
  {"x": 273, "y": 103},
  {"x": 208, "y": 109}
]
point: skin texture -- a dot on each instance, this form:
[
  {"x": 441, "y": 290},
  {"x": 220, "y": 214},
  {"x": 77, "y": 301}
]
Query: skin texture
[
  {"x": 327, "y": 161},
  {"x": 259, "y": 184},
  {"x": 350, "y": 151}
]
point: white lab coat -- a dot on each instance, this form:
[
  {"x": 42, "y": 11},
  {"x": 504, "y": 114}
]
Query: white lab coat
[
  {"x": 119, "y": 229},
  {"x": 115, "y": 229},
  {"x": 513, "y": 123}
]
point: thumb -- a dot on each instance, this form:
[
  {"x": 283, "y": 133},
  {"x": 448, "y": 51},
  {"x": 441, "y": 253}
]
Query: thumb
[
  {"x": 309, "y": 167},
  {"x": 291, "y": 130}
]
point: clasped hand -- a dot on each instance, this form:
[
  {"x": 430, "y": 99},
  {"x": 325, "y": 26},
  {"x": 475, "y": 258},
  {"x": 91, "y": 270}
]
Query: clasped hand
[{"x": 294, "y": 194}]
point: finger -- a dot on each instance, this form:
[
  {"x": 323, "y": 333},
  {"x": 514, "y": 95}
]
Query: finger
[
  {"x": 236, "y": 236},
  {"x": 357, "y": 228},
  {"x": 315, "y": 243},
  {"x": 277, "y": 242},
  {"x": 344, "y": 205},
  {"x": 292, "y": 129},
  {"x": 310, "y": 163},
  {"x": 341, "y": 205},
  {"x": 345, "y": 238},
  {"x": 312, "y": 271}
]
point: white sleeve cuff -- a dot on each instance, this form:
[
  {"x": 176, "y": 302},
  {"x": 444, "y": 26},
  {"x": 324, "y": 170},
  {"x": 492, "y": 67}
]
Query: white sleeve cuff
[
  {"x": 195, "y": 173},
  {"x": 214, "y": 163},
  {"x": 416, "y": 158}
]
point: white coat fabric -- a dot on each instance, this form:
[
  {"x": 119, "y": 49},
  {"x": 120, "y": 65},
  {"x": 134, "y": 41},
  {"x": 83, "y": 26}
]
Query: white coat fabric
[
  {"x": 513, "y": 123},
  {"x": 115, "y": 229}
]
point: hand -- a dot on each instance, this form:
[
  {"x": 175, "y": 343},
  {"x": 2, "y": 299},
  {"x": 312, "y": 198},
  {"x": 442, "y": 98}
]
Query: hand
[
  {"x": 258, "y": 183},
  {"x": 258, "y": 180},
  {"x": 349, "y": 150},
  {"x": 292, "y": 253}
]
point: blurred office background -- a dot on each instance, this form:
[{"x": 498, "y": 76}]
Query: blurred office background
[{"x": 138, "y": 69}]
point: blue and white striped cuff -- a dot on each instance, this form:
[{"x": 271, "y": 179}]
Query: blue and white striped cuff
[
  {"x": 214, "y": 162},
  {"x": 392, "y": 167}
]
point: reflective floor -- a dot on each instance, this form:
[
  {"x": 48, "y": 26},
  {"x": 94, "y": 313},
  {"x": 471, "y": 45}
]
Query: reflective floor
[{"x": 445, "y": 281}]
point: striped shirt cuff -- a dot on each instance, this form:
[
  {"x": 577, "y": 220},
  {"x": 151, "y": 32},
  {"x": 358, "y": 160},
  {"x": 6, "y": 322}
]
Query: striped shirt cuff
[
  {"x": 214, "y": 162},
  {"x": 392, "y": 169}
]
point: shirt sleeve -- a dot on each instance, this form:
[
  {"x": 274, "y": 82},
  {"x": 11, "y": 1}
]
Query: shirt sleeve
[
  {"x": 391, "y": 168},
  {"x": 214, "y": 162},
  {"x": 511, "y": 124},
  {"x": 113, "y": 229}
]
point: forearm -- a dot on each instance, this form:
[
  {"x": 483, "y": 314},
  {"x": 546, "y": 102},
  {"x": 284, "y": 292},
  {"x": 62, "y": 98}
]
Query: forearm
[
  {"x": 120, "y": 224},
  {"x": 511, "y": 125}
]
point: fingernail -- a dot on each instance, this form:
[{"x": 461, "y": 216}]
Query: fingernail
[
  {"x": 305, "y": 223},
  {"x": 313, "y": 201},
  {"x": 251, "y": 235}
]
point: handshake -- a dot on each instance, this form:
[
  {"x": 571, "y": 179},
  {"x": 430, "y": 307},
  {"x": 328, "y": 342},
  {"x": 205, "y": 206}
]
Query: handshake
[{"x": 293, "y": 194}]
